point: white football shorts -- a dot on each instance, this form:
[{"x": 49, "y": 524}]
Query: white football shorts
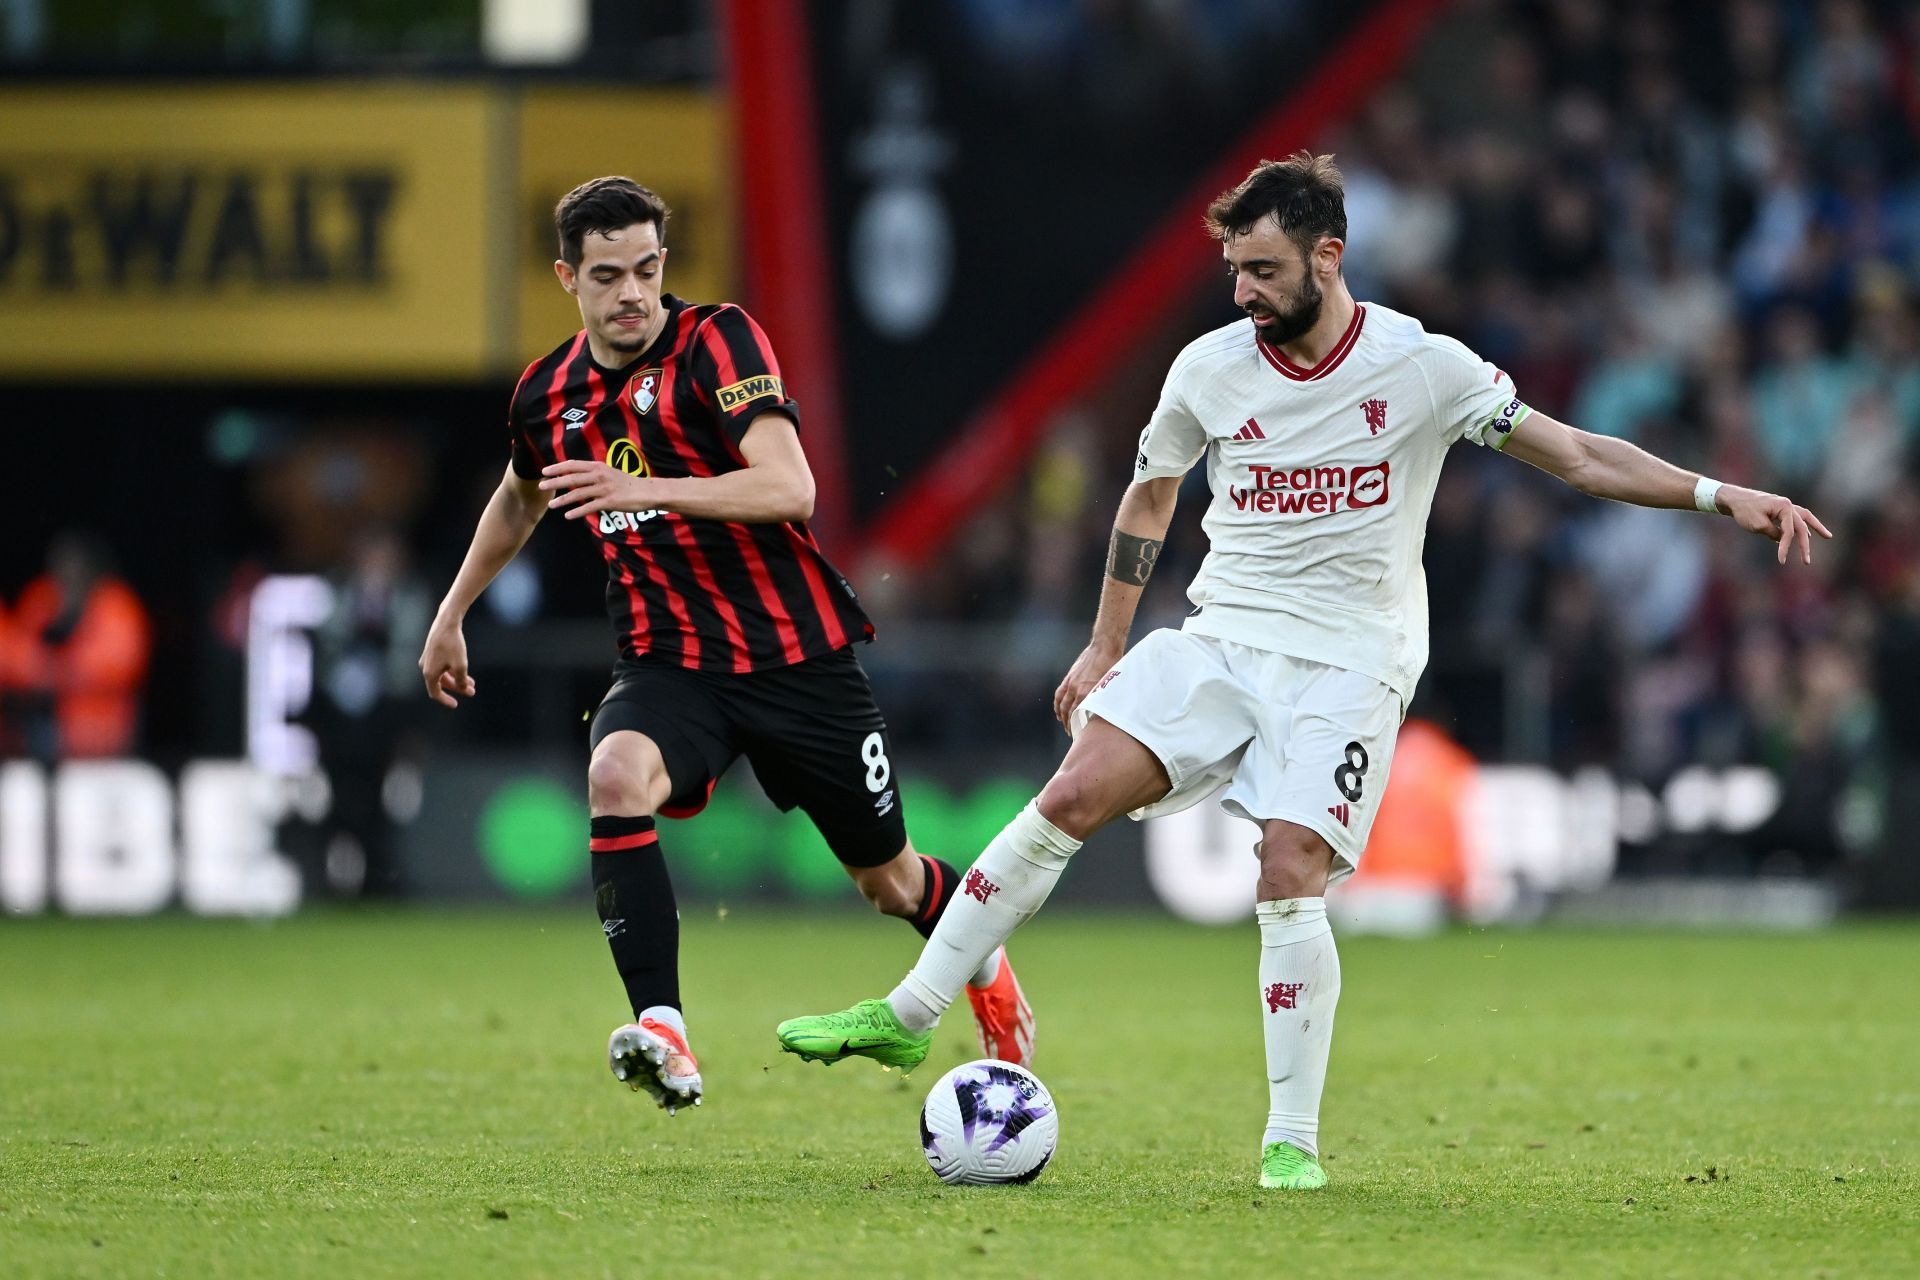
[{"x": 1287, "y": 738}]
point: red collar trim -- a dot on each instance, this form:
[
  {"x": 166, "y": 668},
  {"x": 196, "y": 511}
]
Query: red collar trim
[{"x": 1326, "y": 365}]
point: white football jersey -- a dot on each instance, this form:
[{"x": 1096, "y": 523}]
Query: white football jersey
[{"x": 1322, "y": 479}]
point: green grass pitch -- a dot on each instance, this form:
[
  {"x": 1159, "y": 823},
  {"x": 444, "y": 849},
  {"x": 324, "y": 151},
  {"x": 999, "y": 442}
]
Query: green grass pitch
[{"x": 426, "y": 1094}]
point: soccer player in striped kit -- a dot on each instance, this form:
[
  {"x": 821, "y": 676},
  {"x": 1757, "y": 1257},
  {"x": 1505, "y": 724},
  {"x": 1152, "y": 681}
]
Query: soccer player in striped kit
[
  {"x": 1324, "y": 422},
  {"x": 664, "y": 428}
]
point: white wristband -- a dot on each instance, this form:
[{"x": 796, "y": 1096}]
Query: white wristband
[{"x": 1705, "y": 496}]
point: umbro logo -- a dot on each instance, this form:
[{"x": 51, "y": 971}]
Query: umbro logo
[
  {"x": 1340, "y": 811},
  {"x": 883, "y": 804},
  {"x": 613, "y": 928},
  {"x": 574, "y": 417},
  {"x": 1251, "y": 431}
]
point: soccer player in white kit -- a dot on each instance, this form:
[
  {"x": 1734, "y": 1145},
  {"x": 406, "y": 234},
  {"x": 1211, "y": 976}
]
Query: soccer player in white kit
[{"x": 1323, "y": 422}]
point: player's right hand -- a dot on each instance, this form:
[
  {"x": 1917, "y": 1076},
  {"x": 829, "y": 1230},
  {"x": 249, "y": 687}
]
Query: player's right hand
[
  {"x": 1094, "y": 662},
  {"x": 443, "y": 665}
]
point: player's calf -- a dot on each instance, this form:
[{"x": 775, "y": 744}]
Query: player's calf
[
  {"x": 896, "y": 887},
  {"x": 1001, "y": 1014}
]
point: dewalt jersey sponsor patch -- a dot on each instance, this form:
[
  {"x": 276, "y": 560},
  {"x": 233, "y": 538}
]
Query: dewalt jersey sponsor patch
[{"x": 748, "y": 390}]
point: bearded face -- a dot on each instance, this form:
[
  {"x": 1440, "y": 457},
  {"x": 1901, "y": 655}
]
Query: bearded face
[{"x": 1289, "y": 316}]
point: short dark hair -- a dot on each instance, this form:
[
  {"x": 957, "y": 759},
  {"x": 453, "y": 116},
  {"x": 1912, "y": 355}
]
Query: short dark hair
[
  {"x": 603, "y": 205},
  {"x": 1304, "y": 193}
]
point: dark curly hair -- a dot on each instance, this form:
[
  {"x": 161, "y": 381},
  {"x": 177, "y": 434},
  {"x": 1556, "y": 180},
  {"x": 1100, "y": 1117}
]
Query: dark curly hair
[
  {"x": 603, "y": 205},
  {"x": 1303, "y": 193}
]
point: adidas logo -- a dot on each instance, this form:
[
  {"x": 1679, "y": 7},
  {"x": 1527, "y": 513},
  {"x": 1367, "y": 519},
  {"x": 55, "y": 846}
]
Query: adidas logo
[
  {"x": 1339, "y": 811},
  {"x": 1251, "y": 431}
]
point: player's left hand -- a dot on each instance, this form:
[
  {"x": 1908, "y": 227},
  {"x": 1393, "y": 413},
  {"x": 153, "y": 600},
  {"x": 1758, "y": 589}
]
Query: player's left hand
[
  {"x": 581, "y": 488},
  {"x": 1775, "y": 517}
]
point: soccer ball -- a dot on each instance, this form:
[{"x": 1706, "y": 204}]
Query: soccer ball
[{"x": 987, "y": 1122}]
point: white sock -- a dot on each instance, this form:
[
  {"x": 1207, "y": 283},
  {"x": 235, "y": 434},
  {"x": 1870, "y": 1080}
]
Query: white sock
[
  {"x": 1299, "y": 987},
  {"x": 664, "y": 1013},
  {"x": 997, "y": 894},
  {"x": 917, "y": 1015}
]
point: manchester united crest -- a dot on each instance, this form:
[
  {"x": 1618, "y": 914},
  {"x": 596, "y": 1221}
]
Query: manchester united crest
[
  {"x": 646, "y": 389},
  {"x": 1376, "y": 411}
]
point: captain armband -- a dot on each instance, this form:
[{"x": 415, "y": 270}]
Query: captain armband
[{"x": 1499, "y": 428}]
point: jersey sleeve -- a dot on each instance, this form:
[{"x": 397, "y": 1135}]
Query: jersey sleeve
[
  {"x": 526, "y": 462},
  {"x": 1173, "y": 438},
  {"x": 737, "y": 374},
  {"x": 1471, "y": 398}
]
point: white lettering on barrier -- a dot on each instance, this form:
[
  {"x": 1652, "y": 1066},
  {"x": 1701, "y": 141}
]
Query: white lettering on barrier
[
  {"x": 1525, "y": 831},
  {"x": 114, "y": 855},
  {"x": 281, "y": 616},
  {"x": 228, "y": 863},
  {"x": 23, "y": 839},
  {"x": 1201, "y": 864},
  {"x": 113, "y": 849}
]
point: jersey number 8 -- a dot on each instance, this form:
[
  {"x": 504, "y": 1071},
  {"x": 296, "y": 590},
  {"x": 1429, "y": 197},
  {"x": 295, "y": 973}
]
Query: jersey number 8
[
  {"x": 1348, "y": 776},
  {"x": 873, "y": 752}
]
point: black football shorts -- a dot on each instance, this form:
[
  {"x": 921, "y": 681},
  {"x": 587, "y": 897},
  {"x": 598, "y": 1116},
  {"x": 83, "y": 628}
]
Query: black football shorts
[{"x": 811, "y": 732}]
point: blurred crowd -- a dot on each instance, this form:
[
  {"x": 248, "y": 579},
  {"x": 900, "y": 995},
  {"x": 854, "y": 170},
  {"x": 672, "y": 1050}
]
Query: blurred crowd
[
  {"x": 1691, "y": 225},
  {"x": 1694, "y": 226},
  {"x": 74, "y": 647}
]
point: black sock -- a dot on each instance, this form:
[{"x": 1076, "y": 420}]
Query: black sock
[
  {"x": 634, "y": 896},
  {"x": 936, "y": 893}
]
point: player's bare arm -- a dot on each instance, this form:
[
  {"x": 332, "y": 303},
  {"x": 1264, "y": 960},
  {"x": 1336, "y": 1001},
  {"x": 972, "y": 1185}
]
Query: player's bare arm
[
  {"x": 505, "y": 526},
  {"x": 1608, "y": 468},
  {"x": 1139, "y": 531},
  {"x": 774, "y": 487}
]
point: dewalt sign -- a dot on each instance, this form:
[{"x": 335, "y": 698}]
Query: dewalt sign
[
  {"x": 288, "y": 232},
  {"x": 245, "y": 232},
  {"x": 184, "y": 228}
]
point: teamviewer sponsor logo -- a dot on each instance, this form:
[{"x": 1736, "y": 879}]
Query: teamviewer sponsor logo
[
  {"x": 1367, "y": 486},
  {"x": 1310, "y": 491}
]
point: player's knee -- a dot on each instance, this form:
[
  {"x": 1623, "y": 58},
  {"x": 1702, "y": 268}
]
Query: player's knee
[
  {"x": 619, "y": 785},
  {"x": 1073, "y": 802},
  {"x": 1295, "y": 862}
]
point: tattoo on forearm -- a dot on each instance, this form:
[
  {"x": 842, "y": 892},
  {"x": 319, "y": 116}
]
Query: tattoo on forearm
[{"x": 1130, "y": 559}]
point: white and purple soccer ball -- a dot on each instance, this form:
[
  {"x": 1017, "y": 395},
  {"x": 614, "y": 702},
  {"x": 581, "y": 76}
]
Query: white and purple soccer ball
[{"x": 989, "y": 1122}]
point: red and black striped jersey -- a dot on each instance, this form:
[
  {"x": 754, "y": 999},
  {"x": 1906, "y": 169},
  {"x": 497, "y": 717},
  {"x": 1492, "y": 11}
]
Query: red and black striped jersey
[{"x": 708, "y": 594}]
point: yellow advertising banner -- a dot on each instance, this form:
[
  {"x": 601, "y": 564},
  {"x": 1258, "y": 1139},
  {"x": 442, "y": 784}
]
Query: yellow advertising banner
[
  {"x": 670, "y": 140},
  {"x": 337, "y": 231},
  {"x": 247, "y": 231}
]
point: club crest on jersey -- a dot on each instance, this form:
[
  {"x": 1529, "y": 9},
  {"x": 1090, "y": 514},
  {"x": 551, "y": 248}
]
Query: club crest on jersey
[
  {"x": 1376, "y": 411},
  {"x": 645, "y": 387}
]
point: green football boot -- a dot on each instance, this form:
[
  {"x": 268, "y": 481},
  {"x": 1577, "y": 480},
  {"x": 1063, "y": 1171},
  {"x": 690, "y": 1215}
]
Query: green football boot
[
  {"x": 868, "y": 1030},
  {"x": 1286, "y": 1167}
]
